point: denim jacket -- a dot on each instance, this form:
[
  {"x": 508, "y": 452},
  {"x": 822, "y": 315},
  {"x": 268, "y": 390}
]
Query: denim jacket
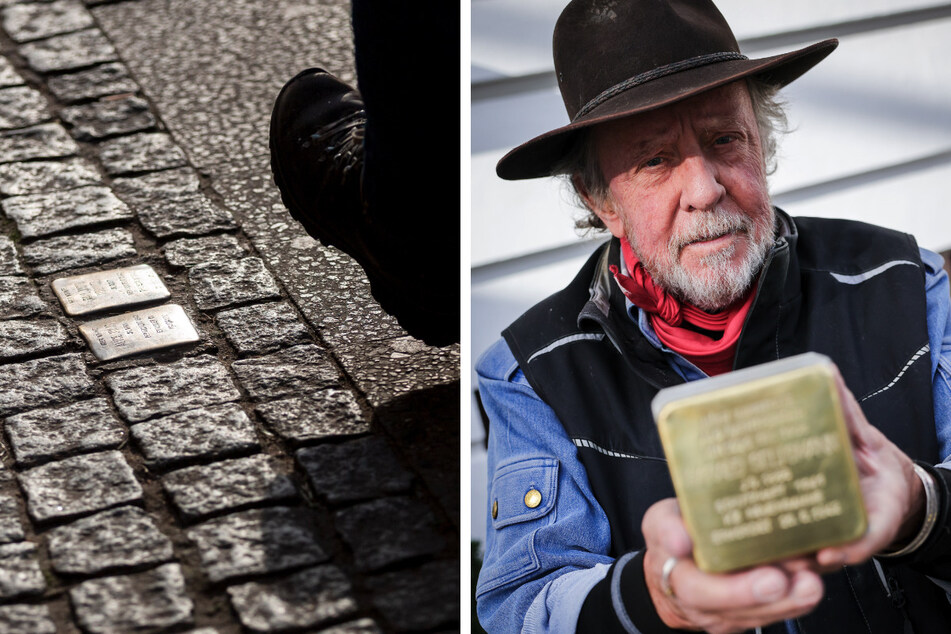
[{"x": 540, "y": 563}]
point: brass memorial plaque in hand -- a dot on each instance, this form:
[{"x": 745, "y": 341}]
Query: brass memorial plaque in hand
[{"x": 761, "y": 463}]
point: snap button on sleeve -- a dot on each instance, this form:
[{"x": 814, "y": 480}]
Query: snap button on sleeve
[{"x": 533, "y": 498}]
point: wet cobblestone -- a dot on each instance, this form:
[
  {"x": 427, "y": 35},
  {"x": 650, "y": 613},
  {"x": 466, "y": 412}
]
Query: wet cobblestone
[
  {"x": 77, "y": 485},
  {"x": 43, "y": 382},
  {"x": 44, "y": 141},
  {"x": 262, "y": 328},
  {"x": 191, "y": 251},
  {"x": 330, "y": 413},
  {"x": 19, "y": 338},
  {"x": 20, "y": 573},
  {"x": 141, "y": 602},
  {"x": 26, "y": 617},
  {"x": 291, "y": 371},
  {"x": 9, "y": 264},
  {"x": 388, "y": 530},
  {"x": 67, "y": 252},
  {"x": 305, "y": 599},
  {"x": 125, "y": 537},
  {"x": 257, "y": 541},
  {"x": 25, "y": 22},
  {"x": 68, "y": 52},
  {"x": 198, "y": 433},
  {"x": 100, "y": 81},
  {"x": 108, "y": 117},
  {"x": 41, "y": 434},
  {"x": 21, "y": 106},
  {"x": 200, "y": 491},
  {"x": 140, "y": 153},
  {"x": 41, "y": 177},
  {"x": 140, "y": 393},
  {"x": 44, "y": 214},
  {"x": 354, "y": 470},
  {"x": 226, "y": 283}
]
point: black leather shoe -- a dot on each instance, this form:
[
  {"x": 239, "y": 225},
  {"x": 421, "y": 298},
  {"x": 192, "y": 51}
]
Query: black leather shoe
[{"x": 316, "y": 141}]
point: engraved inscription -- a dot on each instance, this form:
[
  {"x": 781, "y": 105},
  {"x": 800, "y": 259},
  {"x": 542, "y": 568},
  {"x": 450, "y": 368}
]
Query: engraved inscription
[
  {"x": 91, "y": 292},
  {"x": 141, "y": 331}
]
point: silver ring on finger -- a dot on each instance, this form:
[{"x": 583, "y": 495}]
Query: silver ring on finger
[{"x": 665, "y": 577}]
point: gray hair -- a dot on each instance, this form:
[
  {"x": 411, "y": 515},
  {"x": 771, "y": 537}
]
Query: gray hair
[{"x": 581, "y": 161}]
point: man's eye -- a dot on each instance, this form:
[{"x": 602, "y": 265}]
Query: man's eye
[
  {"x": 654, "y": 162},
  {"x": 724, "y": 139}
]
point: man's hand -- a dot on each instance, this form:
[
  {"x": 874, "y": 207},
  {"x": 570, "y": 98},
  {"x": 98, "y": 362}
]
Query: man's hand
[
  {"x": 894, "y": 496},
  {"x": 718, "y": 603}
]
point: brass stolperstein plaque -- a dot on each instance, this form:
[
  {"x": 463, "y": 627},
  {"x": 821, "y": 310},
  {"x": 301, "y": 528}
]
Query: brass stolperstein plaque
[
  {"x": 761, "y": 463},
  {"x": 91, "y": 292},
  {"x": 140, "y": 331}
]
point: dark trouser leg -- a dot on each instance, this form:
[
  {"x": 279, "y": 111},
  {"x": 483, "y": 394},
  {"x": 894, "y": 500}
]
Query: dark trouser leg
[{"x": 407, "y": 57}]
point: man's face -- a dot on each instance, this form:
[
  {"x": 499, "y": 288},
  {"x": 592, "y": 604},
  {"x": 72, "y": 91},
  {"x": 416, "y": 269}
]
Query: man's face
[{"x": 687, "y": 187}]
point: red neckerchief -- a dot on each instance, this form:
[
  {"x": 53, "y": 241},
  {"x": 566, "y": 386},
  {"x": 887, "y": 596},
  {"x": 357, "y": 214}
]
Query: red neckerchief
[{"x": 713, "y": 356}]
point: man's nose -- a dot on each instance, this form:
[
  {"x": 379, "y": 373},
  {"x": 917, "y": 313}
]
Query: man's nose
[{"x": 700, "y": 188}]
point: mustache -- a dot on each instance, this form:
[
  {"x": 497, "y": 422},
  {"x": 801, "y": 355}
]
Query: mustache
[{"x": 706, "y": 225}]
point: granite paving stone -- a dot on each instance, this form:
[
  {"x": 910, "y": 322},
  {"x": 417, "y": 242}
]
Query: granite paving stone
[
  {"x": 145, "y": 152},
  {"x": 388, "y": 369},
  {"x": 8, "y": 74},
  {"x": 41, "y": 434},
  {"x": 53, "y": 255},
  {"x": 306, "y": 599},
  {"x": 330, "y": 413},
  {"x": 43, "y": 214},
  {"x": 198, "y": 433},
  {"x": 25, "y": 22},
  {"x": 420, "y": 599},
  {"x": 191, "y": 251},
  {"x": 44, "y": 141},
  {"x": 19, "y": 298},
  {"x": 108, "y": 117},
  {"x": 26, "y": 618},
  {"x": 123, "y": 537},
  {"x": 42, "y": 177},
  {"x": 44, "y": 382},
  {"x": 23, "y": 337},
  {"x": 11, "y": 529},
  {"x": 257, "y": 541},
  {"x": 68, "y": 52},
  {"x": 354, "y": 470},
  {"x": 262, "y": 328},
  {"x": 21, "y": 106},
  {"x": 99, "y": 81},
  {"x": 295, "y": 370},
  {"x": 143, "y": 392},
  {"x": 170, "y": 202},
  {"x": 147, "y": 601},
  {"x": 20, "y": 573},
  {"x": 385, "y": 531},
  {"x": 226, "y": 283},
  {"x": 81, "y": 484},
  {"x": 200, "y": 491},
  {"x": 9, "y": 262}
]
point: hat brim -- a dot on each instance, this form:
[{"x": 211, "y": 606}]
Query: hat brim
[{"x": 539, "y": 156}]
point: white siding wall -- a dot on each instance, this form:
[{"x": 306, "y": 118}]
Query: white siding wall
[{"x": 872, "y": 141}]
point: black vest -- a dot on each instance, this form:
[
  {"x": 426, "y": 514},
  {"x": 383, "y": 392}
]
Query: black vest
[{"x": 848, "y": 290}]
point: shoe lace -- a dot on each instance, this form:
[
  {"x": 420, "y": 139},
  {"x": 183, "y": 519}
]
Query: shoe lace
[{"x": 343, "y": 142}]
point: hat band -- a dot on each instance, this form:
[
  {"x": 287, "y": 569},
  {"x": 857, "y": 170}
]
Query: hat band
[{"x": 656, "y": 73}]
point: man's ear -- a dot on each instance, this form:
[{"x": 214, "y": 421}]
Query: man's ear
[{"x": 602, "y": 209}]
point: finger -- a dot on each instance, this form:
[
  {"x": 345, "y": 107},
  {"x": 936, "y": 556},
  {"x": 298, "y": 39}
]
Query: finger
[
  {"x": 727, "y": 592},
  {"x": 805, "y": 592},
  {"x": 663, "y": 526}
]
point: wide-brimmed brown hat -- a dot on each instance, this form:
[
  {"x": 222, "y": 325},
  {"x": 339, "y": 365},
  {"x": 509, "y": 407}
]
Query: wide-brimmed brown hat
[{"x": 616, "y": 58}]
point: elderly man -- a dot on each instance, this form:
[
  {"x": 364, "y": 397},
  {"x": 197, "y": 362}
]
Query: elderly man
[{"x": 670, "y": 137}]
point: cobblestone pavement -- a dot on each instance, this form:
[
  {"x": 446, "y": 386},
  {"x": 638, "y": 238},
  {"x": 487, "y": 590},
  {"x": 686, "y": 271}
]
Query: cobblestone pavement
[{"x": 294, "y": 470}]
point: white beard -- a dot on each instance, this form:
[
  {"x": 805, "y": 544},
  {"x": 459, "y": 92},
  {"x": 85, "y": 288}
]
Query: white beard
[{"x": 718, "y": 283}]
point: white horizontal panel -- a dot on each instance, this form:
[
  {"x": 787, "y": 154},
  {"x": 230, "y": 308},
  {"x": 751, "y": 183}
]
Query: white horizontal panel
[
  {"x": 513, "y": 37},
  {"x": 478, "y": 500},
  {"x": 915, "y": 203},
  {"x": 880, "y": 99},
  {"x": 513, "y": 218}
]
